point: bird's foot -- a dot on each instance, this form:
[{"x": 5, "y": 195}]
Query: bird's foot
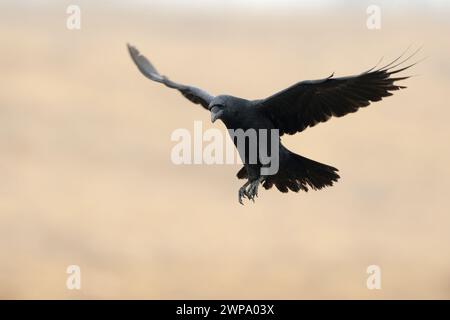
[
  {"x": 250, "y": 190},
  {"x": 243, "y": 192}
]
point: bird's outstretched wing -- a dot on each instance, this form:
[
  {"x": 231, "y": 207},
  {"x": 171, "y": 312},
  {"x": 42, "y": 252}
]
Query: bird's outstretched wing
[
  {"x": 194, "y": 94},
  {"x": 307, "y": 103}
]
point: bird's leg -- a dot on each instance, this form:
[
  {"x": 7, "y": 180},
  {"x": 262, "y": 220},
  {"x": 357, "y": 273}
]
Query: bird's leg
[
  {"x": 252, "y": 189},
  {"x": 243, "y": 192}
]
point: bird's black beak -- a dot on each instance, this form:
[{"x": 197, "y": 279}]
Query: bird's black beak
[{"x": 216, "y": 113}]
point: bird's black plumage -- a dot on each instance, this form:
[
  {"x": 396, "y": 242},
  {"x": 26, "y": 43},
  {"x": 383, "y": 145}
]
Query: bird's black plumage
[
  {"x": 291, "y": 110},
  {"x": 194, "y": 94}
]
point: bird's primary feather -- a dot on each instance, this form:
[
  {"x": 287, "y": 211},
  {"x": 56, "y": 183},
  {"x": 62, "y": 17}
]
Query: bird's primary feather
[
  {"x": 194, "y": 94},
  {"x": 307, "y": 103}
]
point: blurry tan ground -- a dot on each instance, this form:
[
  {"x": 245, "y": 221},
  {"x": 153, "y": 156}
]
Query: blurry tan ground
[{"x": 86, "y": 176}]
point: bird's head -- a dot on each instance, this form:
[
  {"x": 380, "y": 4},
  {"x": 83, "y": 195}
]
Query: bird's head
[
  {"x": 218, "y": 108},
  {"x": 225, "y": 107},
  {"x": 217, "y": 112}
]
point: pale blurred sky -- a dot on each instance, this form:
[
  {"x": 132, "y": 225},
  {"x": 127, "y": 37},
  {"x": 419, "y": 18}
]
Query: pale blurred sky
[
  {"x": 320, "y": 4},
  {"x": 436, "y": 8},
  {"x": 432, "y": 4}
]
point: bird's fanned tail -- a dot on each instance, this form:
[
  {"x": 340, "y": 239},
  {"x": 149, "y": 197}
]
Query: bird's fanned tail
[
  {"x": 299, "y": 173},
  {"x": 303, "y": 173}
]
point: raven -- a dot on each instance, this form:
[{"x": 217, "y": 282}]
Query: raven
[{"x": 289, "y": 111}]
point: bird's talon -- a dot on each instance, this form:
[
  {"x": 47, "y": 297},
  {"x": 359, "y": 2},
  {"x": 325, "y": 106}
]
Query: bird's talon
[
  {"x": 249, "y": 190},
  {"x": 242, "y": 194}
]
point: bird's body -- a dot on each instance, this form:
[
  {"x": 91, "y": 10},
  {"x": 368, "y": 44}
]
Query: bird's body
[
  {"x": 289, "y": 111},
  {"x": 294, "y": 171}
]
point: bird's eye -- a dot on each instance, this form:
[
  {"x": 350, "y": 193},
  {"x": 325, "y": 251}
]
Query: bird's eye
[{"x": 216, "y": 106}]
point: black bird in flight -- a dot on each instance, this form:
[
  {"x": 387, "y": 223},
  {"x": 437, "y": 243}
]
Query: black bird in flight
[{"x": 291, "y": 110}]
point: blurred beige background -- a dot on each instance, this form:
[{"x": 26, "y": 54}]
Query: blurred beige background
[{"x": 86, "y": 176}]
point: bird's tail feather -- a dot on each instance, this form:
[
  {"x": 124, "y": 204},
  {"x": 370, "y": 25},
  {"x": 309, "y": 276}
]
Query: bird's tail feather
[{"x": 299, "y": 173}]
